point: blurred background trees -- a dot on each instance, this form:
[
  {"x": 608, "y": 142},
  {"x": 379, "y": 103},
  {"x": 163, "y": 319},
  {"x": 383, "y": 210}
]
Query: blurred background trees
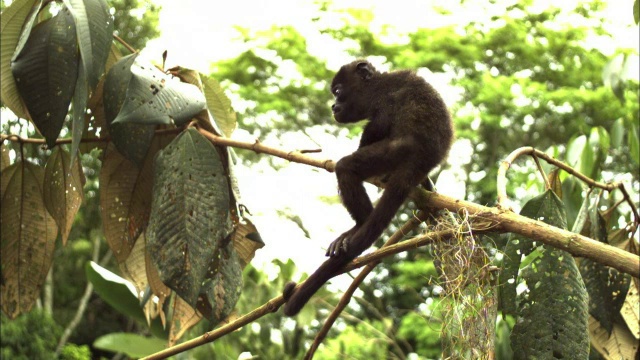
[{"x": 525, "y": 76}]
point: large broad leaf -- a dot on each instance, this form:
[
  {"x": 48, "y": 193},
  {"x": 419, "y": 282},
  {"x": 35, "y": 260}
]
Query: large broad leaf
[
  {"x": 552, "y": 314},
  {"x": 94, "y": 26},
  {"x": 221, "y": 289},
  {"x": 154, "y": 97},
  {"x": 11, "y": 23},
  {"x": 46, "y": 71},
  {"x": 118, "y": 178},
  {"x": 28, "y": 235},
  {"x": 63, "y": 189},
  {"x": 132, "y": 140},
  {"x": 607, "y": 287},
  {"x": 120, "y": 294},
  {"x": 189, "y": 213},
  {"x": 125, "y": 196},
  {"x": 133, "y": 345}
]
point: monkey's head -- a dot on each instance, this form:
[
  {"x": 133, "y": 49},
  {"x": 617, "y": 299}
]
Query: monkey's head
[{"x": 352, "y": 89}]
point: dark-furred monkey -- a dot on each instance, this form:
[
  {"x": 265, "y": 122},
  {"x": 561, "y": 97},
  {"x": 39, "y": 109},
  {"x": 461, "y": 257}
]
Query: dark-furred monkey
[{"x": 408, "y": 134}]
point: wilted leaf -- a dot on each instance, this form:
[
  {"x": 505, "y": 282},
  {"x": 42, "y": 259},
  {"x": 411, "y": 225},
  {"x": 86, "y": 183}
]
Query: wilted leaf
[
  {"x": 132, "y": 140},
  {"x": 183, "y": 317},
  {"x": 620, "y": 344},
  {"x": 11, "y": 23},
  {"x": 133, "y": 268},
  {"x": 189, "y": 213},
  {"x": 221, "y": 289},
  {"x": 158, "y": 288},
  {"x": 125, "y": 197},
  {"x": 552, "y": 315},
  {"x": 63, "y": 189},
  {"x": 46, "y": 72},
  {"x": 28, "y": 235},
  {"x": 631, "y": 311},
  {"x": 556, "y": 184},
  {"x": 155, "y": 98},
  {"x": 246, "y": 240},
  {"x": 118, "y": 179}
]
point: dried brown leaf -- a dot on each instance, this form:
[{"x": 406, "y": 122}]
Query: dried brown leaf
[
  {"x": 28, "y": 234},
  {"x": 63, "y": 189}
]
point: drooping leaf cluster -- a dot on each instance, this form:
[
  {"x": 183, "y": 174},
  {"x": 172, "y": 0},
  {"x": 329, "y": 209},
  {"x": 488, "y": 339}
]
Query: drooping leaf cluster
[{"x": 168, "y": 196}]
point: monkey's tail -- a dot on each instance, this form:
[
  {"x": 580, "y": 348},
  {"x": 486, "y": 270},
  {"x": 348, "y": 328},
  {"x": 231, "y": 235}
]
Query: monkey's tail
[{"x": 297, "y": 297}]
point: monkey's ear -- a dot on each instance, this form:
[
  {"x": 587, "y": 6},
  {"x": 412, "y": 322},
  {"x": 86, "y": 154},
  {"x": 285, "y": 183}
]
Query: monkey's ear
[{"x": 365, "y": 70}]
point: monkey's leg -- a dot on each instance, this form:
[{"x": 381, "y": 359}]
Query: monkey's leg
[
  {"x": 399, "y": 186},
  {"x": 383, "y": 157},
  {"x": 351, "y": 171}
]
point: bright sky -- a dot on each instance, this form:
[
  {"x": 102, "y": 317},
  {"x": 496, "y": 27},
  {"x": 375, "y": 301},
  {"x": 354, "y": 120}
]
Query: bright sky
[{"x": 198, "y": 32}]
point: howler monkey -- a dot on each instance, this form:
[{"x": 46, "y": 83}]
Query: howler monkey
[{"x": 408, "y": 134}]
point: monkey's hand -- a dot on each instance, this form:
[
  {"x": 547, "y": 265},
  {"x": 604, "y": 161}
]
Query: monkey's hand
[{"x": 341, "y": 244}]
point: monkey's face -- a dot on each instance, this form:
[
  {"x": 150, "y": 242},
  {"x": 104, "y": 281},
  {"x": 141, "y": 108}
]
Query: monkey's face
[{"x": 350, "y": 89}]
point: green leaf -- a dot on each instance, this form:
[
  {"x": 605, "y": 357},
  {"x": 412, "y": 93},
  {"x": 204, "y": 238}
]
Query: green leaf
[
  {"x": 189, "y": 213},
  {"x": 131, "y": 140},
  {"x": 636, "y": 11},
  {"x": 634, "y": 146},
  {"x": 63, "y": 189},
  {"x": 46, "y": 72},
  {"x": 114, "y": 290},
  {"x": 5, "y": 161},
  {"x": 133, "y": 345},
  {"x": 552, "y": 314},
  {"x": 154, "y": 97},
  {"x": 575, "y": 148},
  {"x": 26, "y": 29},
  {"x": 219, "y": 105},
  {"x": 27, "y": 237},
  {"x": 223, "y": 283},
  {"x": 607, "y": 287},
  {"x": 80, "y": 99},
  {"x": 617, "y": 133},
  {"x": 101, "y": 33},
  {"x": 11, "y": 22},
  {"x": 120, "y": 294}
]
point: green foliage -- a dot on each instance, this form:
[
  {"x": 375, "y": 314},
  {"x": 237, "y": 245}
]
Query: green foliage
[
  {"x": 422, "y": 332},
  {"x": 363, "y": 341},
  {"x": 136, "y": 21},
  {"x": 133, "y": 345},
  {"x": 552, "y": 314},
  {"x": 31, "y": 336},
  {"x": 75, "y": 352}
]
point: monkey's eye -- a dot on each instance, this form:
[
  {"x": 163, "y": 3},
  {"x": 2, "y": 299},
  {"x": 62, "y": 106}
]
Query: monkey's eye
[{"x": 337, "y": 91}]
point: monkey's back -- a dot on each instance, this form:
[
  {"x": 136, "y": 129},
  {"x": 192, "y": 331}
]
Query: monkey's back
[{"x": 420, "y": 114}]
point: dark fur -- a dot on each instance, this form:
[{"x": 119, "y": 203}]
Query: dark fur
[{"x": 409, "y": 133}]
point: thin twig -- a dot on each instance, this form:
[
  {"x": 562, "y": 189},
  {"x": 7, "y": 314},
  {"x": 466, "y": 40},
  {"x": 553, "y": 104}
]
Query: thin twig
[
  {"x": 86, "y": 296},
  {"x": 527, "y": 150},
  {"x": 125, "y": 44},
  {"x": 275, "y": 303},
  {"x": 344, "y": 301}
]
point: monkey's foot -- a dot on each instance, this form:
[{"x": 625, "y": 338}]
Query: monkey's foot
[{"x": 341, "y": 244}]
